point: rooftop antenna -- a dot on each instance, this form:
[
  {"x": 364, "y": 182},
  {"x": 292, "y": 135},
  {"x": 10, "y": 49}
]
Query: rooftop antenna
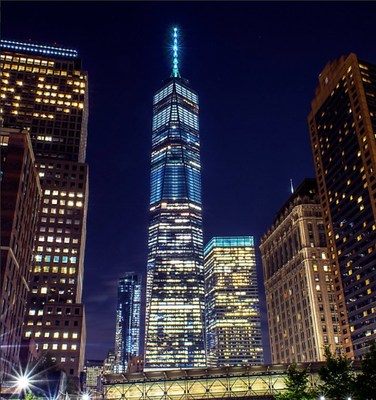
[
  {"x": 291, "y": 186},
  {"x": 175, "y": 55}
]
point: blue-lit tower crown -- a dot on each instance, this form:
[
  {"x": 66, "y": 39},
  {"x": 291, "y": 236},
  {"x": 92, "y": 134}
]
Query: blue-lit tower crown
[{"x": 175, "y": 282}]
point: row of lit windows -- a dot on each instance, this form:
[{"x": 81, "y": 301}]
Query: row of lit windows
[
  {"x": 63, "y": 193},
  {"x": 56, "y": 270},
  {"x": 25, "y": 60},
  {"x": 60, "y": 103},
  {"x": 34, "y": 70},
  {"x": 61, "y": 211},
  {"x": 55, "y": 259},
  {"x": 55, "y": 346},
  {"x": 70, "y": 203},
  {"x": 55, "y": 335}
]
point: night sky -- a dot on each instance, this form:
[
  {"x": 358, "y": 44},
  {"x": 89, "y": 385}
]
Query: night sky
[{"x": 255, "y": 66}]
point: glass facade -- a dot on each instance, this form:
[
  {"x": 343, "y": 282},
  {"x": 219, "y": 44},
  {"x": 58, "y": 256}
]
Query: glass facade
[
  {"x": 252, "y": 382},
  {"x": 175, "y": 283},
  {"x": 233, "y": 322},
  {"x": 127, "y": 339}
]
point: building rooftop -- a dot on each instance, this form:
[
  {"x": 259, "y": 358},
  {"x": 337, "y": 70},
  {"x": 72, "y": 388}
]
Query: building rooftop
[
  {"x": 35, "y": 48},
  {"x": 229, "y": 241}
]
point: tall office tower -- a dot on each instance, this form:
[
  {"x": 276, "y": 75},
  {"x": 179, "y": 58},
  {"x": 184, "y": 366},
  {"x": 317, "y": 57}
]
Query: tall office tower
[
  {"x": 127, "y": 337},
  {"x": 300, "y": 296},
  {"x": 44, "y": 91},
  {"x": 342, "y": 127},
  {"x": 175, "y": 283},
  {"x": 233, "y": 322},
  {"x": 20, "y": 197}
]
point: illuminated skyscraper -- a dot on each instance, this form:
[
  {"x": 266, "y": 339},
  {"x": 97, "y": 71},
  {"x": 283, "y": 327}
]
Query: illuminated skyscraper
[
  {"x": 127, "y": 339},
  {"x": 233, "y": 322},
  {"x": 175, "y": 282},
  {"x": 342, "y": 127},
  {"x": 45, "y": 91},
  {"x": 299, "y": 290}
]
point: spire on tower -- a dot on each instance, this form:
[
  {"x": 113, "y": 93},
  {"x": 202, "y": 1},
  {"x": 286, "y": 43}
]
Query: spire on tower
[
  {"x": 175, "y": 55},
  {"x": 291, "y": 186}
]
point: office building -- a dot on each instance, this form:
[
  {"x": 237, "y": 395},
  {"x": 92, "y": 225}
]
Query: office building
[
  {"x": 342, "y": 126},
  {"x": 233, "y": 322},
  {"x": 175, "y": 281},
  {"x": 20, "y": 197},
  {"x": 109, "y": 362},
  {"x": 136, "y": 364},
  {"x": 45, "y": 91},
  {"x": 299, "y": 290},
  {"x": 93, "y": 373},
  {"x": 127, "y": 337}
]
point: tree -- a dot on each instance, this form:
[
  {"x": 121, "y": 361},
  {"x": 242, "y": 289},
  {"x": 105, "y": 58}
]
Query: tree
[
  {"x": 365, "y": 388},
  {"x": 296, "y": 385},
  {"x": 337, "y": 377}
]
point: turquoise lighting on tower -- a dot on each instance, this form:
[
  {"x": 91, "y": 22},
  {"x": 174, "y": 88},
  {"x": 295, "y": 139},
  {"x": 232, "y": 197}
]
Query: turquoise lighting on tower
[
  {"x": 175, "y": 55},
  {"x": 174, "y": 317}
]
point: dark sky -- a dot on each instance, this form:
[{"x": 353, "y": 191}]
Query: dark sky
[{"x": 255, "y": 67}]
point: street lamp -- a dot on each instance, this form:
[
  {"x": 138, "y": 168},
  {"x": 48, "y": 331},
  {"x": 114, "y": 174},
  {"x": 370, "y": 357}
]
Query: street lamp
[
  {"x": 85, "y": 396},
  {"x": 23, "y": 382}
]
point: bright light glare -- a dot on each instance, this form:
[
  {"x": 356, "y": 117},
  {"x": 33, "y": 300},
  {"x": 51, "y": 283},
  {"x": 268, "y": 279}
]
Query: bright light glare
[
  {"x": 23, "y": 382},
  {"x": 322, "y": 398},
  {"x": 86, "y": 396}
]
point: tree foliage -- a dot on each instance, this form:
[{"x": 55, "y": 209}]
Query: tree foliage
[
  {"x": 337, "y": 377},
  {"x": 365, "y": 388},
  {"x": 297, "y": 386}
]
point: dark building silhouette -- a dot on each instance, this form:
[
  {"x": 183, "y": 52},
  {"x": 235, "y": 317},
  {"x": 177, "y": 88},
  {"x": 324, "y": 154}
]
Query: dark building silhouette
[{"x": 20, "y": 197}]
